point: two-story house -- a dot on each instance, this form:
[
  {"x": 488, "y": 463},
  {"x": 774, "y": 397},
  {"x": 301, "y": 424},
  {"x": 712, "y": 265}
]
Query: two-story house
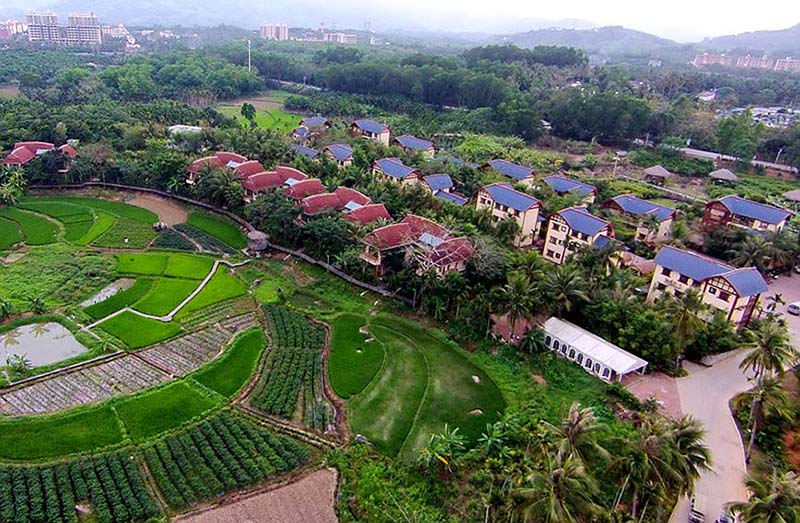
[
  {"x": 412, "y": 145},
  {"x": 517, "y": 173},
  {"x": 734, "y": 291},
  {"x": 394, "y": 170},
  {"x": 370, "y": 130},
  {"x": 653, "y": 222},
  {"x": 505, "y": 202},
  {"x": 562, "y": 185},
  {"x": 341, "y": 153},
  {"x": 569, "y": 230},
  {"x": 740, "y": 212}
]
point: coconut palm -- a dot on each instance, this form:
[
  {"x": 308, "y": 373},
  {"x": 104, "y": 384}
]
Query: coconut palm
[
  {"x": 769, "y": 349},
  {"x": 767, "y": 398},
  {"x": 691, "y": 456},
  {"x": 773, "y": 499},
  {"x": 561, "y": 492},
  {"x": 516, "y": 295},
  {"x": 753, "y": 251},
  {"x": 773, "y": 302},
  {"x": 577, "y": 433},
  {"x": 684, "y": 315},
  {"x": 442, "y": 449},
  {"x": 564, "y": 287},
  {"x": 6, "y": 309},
  {"x": 533, "y": 342},
  {"x": 36, "y": 303}
]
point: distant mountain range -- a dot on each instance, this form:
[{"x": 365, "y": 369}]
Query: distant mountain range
[
  {"x": 605, "y": 40},
  {"x": 786, "y": 41}
]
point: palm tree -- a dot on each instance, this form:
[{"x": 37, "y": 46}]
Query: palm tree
[
  {"x": 533, "y": 342},
  {"x": 684, "y": 317},
  {"x": 691, "y": 456},
  {"x": 577, "y": 434},
  {"x": 516, "y": 295},
  {"x": 37, "y": 304},
  {"x": 754, "y": 251},
  {"x": 442, "y": 449},
  {"x": 773, "y": 499},
  {"x": 766, "y": 398},
  {"x": 769, "y": 349},
  {"x": 773, "y": 302},
  {"x": 562, "y": 492},
  {"x": 564, "y": 287},
  {"x": 6, "y": 309}
]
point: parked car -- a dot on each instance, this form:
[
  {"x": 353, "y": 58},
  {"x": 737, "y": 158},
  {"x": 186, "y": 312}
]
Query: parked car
[{"x": 794, "y": 308}]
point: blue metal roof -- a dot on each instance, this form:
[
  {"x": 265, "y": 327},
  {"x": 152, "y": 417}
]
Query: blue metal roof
[
  {"x": 340, "y": 151},
  {"x": 634, "y": 205},
  {"x": 562, "y": 185},
  {"x": 314, "y": 121},
  {"x": 512, "y": 170},
  {"x": 302, "y": 132},
  {"x": 581, "y": 221},
  {"x": 437, "y": 182},
  {"x": 450, "y": 197},
  {"x": 754, "y": 210},
  {"x": 308, "y": 152},
  {"x": 394, "y": 167},
  {"x": 602, "y": 241},
  {"x": 412, "y": 142},
  {"x": 371, "y": 126},
  {"x": 453, "y": 160},
  {"x": 504, "y": 194},
  {"x": 747, "y": 282}
]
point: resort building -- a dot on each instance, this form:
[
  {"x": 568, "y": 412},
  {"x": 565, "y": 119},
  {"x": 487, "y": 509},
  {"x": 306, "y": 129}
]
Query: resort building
[
  {"x": 341, "y": 153},
  {"x": 371, "y": 130},
  {"x": 505, "y": 202},
  {"x": 394, "y": 170},
  {"x": 734, "y": 291},
  {"x": 569, "y": 230},
  {"x": 653, "y": 222},
  {"x": 282, "y": 177},
  {"x": 307, "y": 152},
  {"x": 304, "y": 188},
  {"x": 24, "y": 152},
  {"x": 595, "y": 355},
  {"x": 562, "y": 185},
  {"x": 657, "y": 175},
  {"x": 367, "y": 214},
  {"x": 219, "y": 160},
  {"x": 518, "y": 173},
  {"x": 412, "y": 145},
  {"x": 739, "y": 212},
  {"x": 442, "y": 187}
]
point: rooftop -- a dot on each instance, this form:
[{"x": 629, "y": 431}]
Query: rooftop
[
  {"x": 438, "y": 182},
  {"x": 512, "y": 170},
  {"x": 581, "y": 221},
  {"x": 724, "y": 174},
  {"x": 340, "y": 151},
  {"x": 658, "y": 171},
  {"x": 563, "y": 185},
  {"x": 408, "y": 141},
  {"x": 368, "y": 214},
  {"x": 314, "y": 121},
  {"x": 747, "y": 282},
  {"x": 754, "y": 210},
  {"x": 451, "y": 197},
  {"x": 302, "y": 150},
  {"x": 371, "y": 126},
  {"x": 303, "y": 188},
  {"x": 504, "y": 194},
  {"x": 635, "y": 205},
  {"x": 395, "y": 168}
]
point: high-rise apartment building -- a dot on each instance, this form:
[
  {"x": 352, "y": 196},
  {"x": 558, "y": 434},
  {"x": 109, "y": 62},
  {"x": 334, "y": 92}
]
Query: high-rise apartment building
[
  {"x": 789, "y": 65},
  {"x": 83, "y": 29},
  {"x": 43, "y": 27},
  {"x": 275, "y": 31}
]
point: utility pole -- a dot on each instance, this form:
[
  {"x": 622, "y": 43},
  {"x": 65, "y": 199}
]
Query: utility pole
[{"x": 249, "y": 57}]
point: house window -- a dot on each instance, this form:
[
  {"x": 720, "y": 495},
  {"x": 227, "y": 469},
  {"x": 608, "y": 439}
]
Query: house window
[
  {"x": 548, "y": 340},
  {"x": 555, "y": 345},
  {"x": 712, "y": 290},
  {"x": 683, "y": 279},
  {"x": 580, "y": 358},
  {"x": 572, "y": 354},
  {"x": 596, "y": 367},
  {"x": 550, "y": 253},
  {"x": 666, "y": 272},
  {"x": 552, "y": 239},
  {"x": 678, "y": 294},
  {"x": 661, "y": 286},
  {"x": 724, "y": 296},
  {"x": 558, "y": 256},
  {"x": 605, "y": 373},
  {"x": 564, "y": 348},
  {"x": 588, "y": 363}
]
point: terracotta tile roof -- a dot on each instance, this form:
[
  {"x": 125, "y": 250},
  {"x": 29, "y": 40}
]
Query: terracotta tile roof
[
  {"x": 209, "y": 161},
  {"x": 249, "y": 168},
  {"x": 368, "y": 214},
  {"x": 24, "y": 152},
  {"x": 305, "y": 188},
  {"x": 390, "y": 236},
  {"x": 287, "y": 173},
  {"x": 317, "y": 203},
  {"x": 68, "y": 151},
  {"x": 270, "y": 180},
  {"x": 226, "y": 157},
  {"x": 422, "y": 225},
  {"x": 347, "y": 194},
  {"x": 454, "y": 250}
]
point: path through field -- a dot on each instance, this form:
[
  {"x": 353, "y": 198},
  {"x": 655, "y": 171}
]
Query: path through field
[{"x": 168, "y": 212}]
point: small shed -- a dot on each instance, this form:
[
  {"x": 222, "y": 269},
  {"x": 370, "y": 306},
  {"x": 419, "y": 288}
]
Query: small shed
[
  {"x": 657, "y": 174},
  {"x": 594, "y": 354},
  {"x": 793, "y": 196},
  {"x": 257, "y": 242},
  {"x": 723, "y": 176}
]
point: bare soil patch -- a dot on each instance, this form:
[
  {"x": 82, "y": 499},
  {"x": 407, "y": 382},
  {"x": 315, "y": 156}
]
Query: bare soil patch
[
  {"x": 538, "y": 378},
  {"x": 168, "y": 212},
  {"x": 476, "y": 412},
  {"x": 309, "y": 500},
  {"x": 259, "y": 102},
  {"x": 9, "y": 91}
]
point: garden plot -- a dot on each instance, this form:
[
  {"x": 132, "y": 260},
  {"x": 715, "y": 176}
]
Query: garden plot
[
  {"x": 185, "y": 354},
  {"x": 83, "y": 386},
  {"x": 217, "y": 313},
  {"x": 240, "y": 323}
]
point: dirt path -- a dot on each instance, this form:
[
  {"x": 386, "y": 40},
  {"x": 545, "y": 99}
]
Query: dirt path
[
  {"x": 308, "y": 500},
  {"x": 168, "y": 212}
]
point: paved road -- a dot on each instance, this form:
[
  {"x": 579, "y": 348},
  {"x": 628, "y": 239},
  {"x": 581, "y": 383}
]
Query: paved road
[{"x": 789, "y": 287}]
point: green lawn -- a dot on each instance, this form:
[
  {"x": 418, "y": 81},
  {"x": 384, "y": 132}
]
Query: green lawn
[
  {"x": 37, "y": 230},
  {"x": 103, "y": 221},
  {"x": 121, "y": 299},
  {"x": 120, "y": 209},
  {"x": 352, "y": 363},
  {"x": 9, "y": 234},
  {"x": 275, "y": 119},
  {"x": 188, "y": 266},
  {"x": 165, "y": 296},
  {"x": 231, "y": 372},
  {"x": 126, "y": 233},
  {"x": 220, "y": 228},
  {"x": 222, "y": 286},
  {"x": 163, "y": 409},
  {"x": 41, "y": 437},
  {"x": 150, "y": 264},
  {"x": 136, "y": 331}
]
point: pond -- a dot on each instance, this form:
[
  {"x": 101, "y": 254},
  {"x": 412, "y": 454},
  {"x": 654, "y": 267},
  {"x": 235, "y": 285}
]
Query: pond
[{"x": 39, "y": 343}]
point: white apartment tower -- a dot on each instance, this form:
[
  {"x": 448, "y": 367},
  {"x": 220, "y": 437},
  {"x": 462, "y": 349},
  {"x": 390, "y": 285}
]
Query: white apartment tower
[
  {"x": 43, "y": 27},
  {"x": 275, "y": 31},
  {"x": 83, "y": 29}
]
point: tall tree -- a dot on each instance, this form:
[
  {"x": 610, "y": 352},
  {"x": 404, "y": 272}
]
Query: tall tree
[
  {"x": 773, "y": 499},
  {"x": 564, "y": 288},
  {"x": 769, "y": 348},
  {"x": 684, "y": 315}
]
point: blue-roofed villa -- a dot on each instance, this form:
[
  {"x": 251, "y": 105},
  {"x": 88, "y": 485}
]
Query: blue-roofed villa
[
  {"x": 308, "y": 152},
  {"x": 371, "y": 130},
  {"x": 734, "y": 291},
  {"x": 438, "y": 182},
  {"x": 395, "y": 171},
  {"x": 653, "y": 222},
  {"x": 740, "y": 212},
  {"x": 413, "y": 145},
  {"x": 562, "y": 185},
  {"x": 341, "y": 153},
  {"x": 517, "y": 173},
  {"x": 451, "y": 197},
  {"x": 570, "y": 230},
  {"x": 504, "y": 202}
]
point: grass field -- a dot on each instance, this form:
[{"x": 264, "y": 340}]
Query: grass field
[
  {"x": 231, "y": 372},
  {"x": 149, "y": 264},
  {"x": 352, "y": 363},
  {"x": 103, "y": 221},
  {"x": 275, "y": 119},
  {"x": 37, "y": 230},
  {"x": 121, "y": 299},
  {"x": 136, "y": 331},
  {"x": 163, "y": 409},
  {"x": 222, "y": 286},
  {"x": 125, "y": 234},
  {"x": 9, "y": 234},
  {"x": 166, "y": 294},
  {"x": 188, "y": 266},
  {"x": 220, "y": 228},
  {"x": 58, "y": 435}
]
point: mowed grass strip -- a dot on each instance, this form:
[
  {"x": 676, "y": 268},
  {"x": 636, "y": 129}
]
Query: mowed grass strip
[
  {"x": 222, "y": 286},
  {"x": 37, "y": 230},
  {"x": 150, "y": 264},
  {"x": 136, "y": 331},
  {"x": 121, "y": 299},
  {"x": 231, "y": 372},
  {"x": 384, "y": 412},
  {"x": 188, "y": 266},
  {"x": 42, "y": 437},
  {"x": 166, "y": 294},
  {"x": 123, "y": 210},
  {"x": 103, "y": 221},
  {"x": 352, "y": 362},
  {"x": 163, "y": 409},
  {"x": 9, "y": 234},
  {"x": 220, "y": 228}
]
